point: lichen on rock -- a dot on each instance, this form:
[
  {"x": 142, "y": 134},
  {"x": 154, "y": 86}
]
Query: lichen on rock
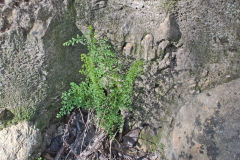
[{"x": 19, "y": 142}]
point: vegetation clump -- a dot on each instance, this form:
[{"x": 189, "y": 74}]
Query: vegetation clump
[
  {"x": 15, "y": 115},
  {"x": 170, "y": 5},
  {"x": 107, "y": 89}
]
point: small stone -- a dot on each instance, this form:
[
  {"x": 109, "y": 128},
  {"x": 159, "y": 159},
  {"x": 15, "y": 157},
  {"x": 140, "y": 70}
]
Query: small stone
[
  {"x": 127, "y": 50},
  {"x": 131, "y": 138},
  {"x": 6, "y": 115},
  {"x": 165, "y": 62},
  {"x": 19, "y": 142},
  {"x": 163, "y": 45}
]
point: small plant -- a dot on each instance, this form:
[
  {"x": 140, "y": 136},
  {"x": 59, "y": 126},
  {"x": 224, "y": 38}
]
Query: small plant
[
  {"x": 40, "y": 158},
  {"x": 23, "y": 113},
  {"x": 18, "y": 114},
  {"x": 107, "y": 90}
]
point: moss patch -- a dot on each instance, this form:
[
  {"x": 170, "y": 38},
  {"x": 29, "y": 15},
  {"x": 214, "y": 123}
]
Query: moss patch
[
  {"x": 18, "y": 114},
  {"x": 152, "y": 143},
  {"x": 170, "y": 5}
]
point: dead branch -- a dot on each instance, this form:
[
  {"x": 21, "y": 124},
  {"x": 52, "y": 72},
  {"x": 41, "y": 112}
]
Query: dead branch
[
  {"x": 95, "y": 145},
  {"x": 83, "y": 140}
]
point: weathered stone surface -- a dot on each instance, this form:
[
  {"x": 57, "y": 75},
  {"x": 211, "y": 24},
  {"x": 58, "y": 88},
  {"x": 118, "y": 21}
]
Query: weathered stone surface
[
  {"x": 19, "y": 142},
  {"x": 196, "y": 48},
  {"x": 128, "y": 49},
  {"x": 98, "y": 4},
  {"x": 35, "y": 67},
  {"x": 186, "y": 52},
  {"x": 207, "y": 126},
  {"x": 124, "y": 22},
  {"x": 168, "y": 30},
  {"x": 163, "y": 45},
  {"x": 147, "y": 48}
]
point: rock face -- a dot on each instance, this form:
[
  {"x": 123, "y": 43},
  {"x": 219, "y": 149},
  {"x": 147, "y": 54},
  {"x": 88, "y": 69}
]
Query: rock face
[
  {"x": 35, "y": 67},
  {"x": 207, "y": 126},
  {"x": 187, "y": 51},
  {"x": 19, "y": 142}
]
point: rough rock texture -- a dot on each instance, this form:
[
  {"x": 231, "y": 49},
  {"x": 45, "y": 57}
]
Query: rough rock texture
[
  {"x": 130, "y": 25},
  {"x": 19, "y": 142},
  {"x": 187, "y": 50},
  {"x": 207, "y": 126},
  {"x": 35, "y": 67}
]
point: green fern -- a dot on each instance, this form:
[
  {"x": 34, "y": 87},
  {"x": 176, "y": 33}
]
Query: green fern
[{"x": 106, "y": 90}]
